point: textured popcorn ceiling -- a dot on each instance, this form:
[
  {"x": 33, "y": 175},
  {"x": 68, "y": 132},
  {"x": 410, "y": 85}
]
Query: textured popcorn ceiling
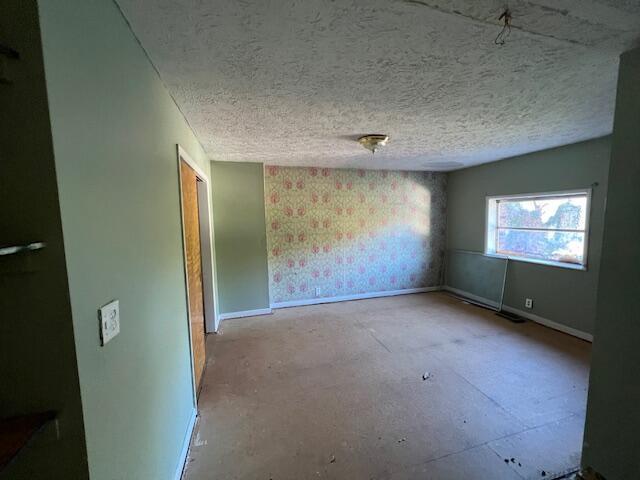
[{"x": 296, "y": 82}]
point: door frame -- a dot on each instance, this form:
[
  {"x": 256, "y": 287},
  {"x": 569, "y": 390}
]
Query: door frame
[{"x": 209, "y": 280}]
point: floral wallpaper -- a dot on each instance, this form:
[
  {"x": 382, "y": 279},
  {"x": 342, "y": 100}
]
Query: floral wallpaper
[{"x": 334, "y": 232}]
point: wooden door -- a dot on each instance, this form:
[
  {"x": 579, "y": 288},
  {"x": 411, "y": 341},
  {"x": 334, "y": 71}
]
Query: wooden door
[{"x": 190, "y": 216}]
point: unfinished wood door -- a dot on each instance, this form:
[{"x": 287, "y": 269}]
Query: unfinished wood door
[{"x": 190, "y": 216}]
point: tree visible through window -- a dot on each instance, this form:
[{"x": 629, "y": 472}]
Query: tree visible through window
[{"x": 550, "y": 228}]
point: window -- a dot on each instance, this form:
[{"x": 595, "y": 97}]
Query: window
[{"x": 550, "y": 228}]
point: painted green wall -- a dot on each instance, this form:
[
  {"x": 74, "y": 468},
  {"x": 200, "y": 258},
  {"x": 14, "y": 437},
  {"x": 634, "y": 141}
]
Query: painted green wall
[
  {"x": 38, "y": 369},
  {"x": 115, "y": 130},
  {"x": 564, "y": 296},
  {"x": 611, "y": 439},
  {"x": 240, "y": 236}
]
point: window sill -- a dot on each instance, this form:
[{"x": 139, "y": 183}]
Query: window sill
[{"x": 549, "y": 263}]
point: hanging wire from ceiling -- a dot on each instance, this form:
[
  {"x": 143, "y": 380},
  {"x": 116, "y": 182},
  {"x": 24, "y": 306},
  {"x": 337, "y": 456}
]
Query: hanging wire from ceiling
[
  {"x": 433, "y": 5},
  {"x": 506, "y": 27}
]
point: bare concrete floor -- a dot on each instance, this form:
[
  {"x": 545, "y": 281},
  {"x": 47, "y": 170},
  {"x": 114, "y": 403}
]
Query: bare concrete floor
[{"x": 336, "y": 391}]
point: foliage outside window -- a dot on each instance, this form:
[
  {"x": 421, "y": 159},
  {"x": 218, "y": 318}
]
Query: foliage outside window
[{"x": 547, "y": 228}]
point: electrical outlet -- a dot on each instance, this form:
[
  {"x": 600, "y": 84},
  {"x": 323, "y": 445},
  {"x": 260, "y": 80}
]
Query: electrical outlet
[
  {"x": 109, "y": 317},
  {"x": 528, "y": 303},
  {"x": 317, "y": 291}
]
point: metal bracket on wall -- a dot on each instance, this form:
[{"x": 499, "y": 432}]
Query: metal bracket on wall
[
  {"x": 21, "y": 259},
  {"x": 29, "y": 247}
]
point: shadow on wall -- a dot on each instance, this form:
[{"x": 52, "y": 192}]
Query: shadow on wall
[{"x": 333, "y": 232}]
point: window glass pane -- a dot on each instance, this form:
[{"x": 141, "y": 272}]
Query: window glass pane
[
  {"x": 544, "y": 245},
  {"x": 567, "y": 213}
]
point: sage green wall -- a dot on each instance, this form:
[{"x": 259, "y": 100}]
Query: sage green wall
[
  {"x": 240, "y": 243},
  {"x": 38, "y": 369},
  {"x": 115, "y": 130},
  {"x": 562, "y": 295},
  {"x": 611, "y": 439}
]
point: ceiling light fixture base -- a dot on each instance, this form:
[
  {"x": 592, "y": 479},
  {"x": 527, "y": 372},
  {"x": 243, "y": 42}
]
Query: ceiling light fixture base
[{"x": 373, "y": 141}]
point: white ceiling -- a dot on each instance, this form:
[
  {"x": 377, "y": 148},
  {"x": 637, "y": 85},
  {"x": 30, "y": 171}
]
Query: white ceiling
[{"x": 296, "y": 82}]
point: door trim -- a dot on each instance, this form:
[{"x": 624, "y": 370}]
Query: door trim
[{"x": 208, "y": 274}]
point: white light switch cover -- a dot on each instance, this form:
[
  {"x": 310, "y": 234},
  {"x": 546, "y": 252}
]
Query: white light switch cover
[{"x": 109, "y": 321}]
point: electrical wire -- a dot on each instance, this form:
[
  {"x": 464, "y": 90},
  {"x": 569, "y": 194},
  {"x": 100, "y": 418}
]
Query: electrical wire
[{"x": 506, "y": 28}]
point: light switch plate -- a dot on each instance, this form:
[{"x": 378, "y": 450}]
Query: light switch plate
[{"x": 109, "y": 316}]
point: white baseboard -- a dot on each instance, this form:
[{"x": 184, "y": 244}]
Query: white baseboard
[
  {"x": 470, "y": 296},
  {"x": 529, "y": 316},
  {"x": 245, "y": 313},
  {"x": 182, "y": 460},
  {"x": 346, "y": 298},
  {"x": 550, "y": 323}
]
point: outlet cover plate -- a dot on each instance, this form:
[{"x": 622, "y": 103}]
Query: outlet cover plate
[
  {"x": 109, "y": 316},
  {"x": 528, "y": 303}
]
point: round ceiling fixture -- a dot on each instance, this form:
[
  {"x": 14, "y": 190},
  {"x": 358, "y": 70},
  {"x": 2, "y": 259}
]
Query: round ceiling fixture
[{"x": 373, "y": 141}]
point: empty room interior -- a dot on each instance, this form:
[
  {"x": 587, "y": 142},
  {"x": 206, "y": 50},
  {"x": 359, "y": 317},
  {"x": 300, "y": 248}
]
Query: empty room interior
[{"x": 319, "y": 239}]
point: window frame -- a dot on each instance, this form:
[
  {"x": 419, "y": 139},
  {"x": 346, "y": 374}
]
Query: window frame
[{"x": 491, "y": 226}]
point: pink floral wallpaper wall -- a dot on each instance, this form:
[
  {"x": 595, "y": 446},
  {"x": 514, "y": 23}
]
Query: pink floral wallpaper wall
[{"x": 335, "y": 232}]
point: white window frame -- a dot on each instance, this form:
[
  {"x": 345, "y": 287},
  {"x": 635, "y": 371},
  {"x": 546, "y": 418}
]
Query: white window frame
[{"x": 491, "y": 226}]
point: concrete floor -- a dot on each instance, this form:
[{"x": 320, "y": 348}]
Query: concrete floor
[{"x": 336, "y": 391}]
